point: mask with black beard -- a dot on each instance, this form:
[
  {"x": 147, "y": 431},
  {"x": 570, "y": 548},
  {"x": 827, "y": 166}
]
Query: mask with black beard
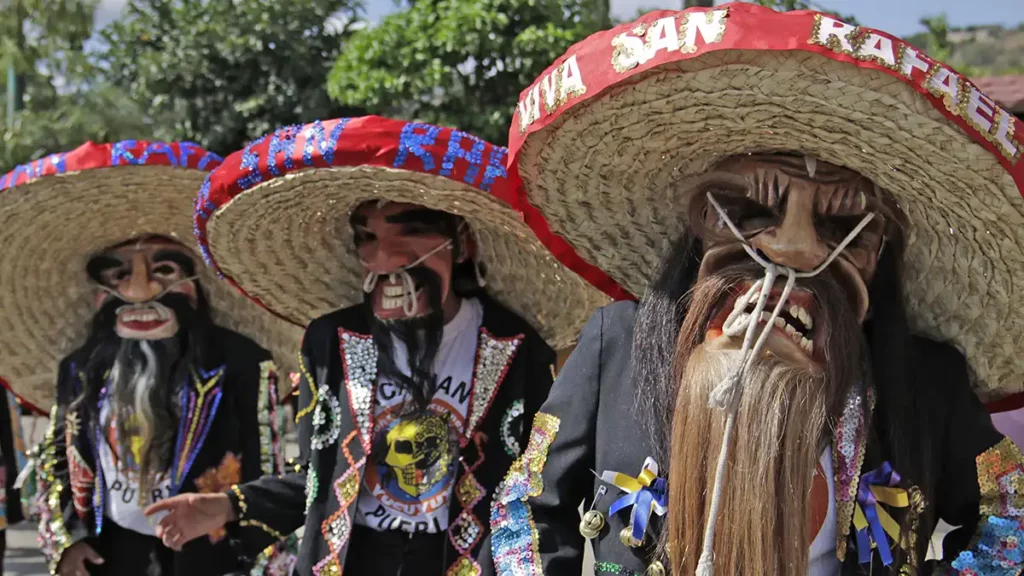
[
  {"x": 421, "y": 336},
  {"x": 142, "y": 379}
]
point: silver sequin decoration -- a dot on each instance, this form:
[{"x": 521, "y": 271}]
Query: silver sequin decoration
[
  {"x": 494, "y": 355},
  {"x": 327, "y": 412},
  {"x": 360, "y": 361}
]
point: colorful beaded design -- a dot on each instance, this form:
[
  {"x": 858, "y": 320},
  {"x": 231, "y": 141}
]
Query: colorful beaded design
[
  {"x": 848, "y": 445},
  {"x": 612, "y": 568},
  {"x": 201, "y": 401},
  {"x": 337, "y": 528},
  {"x": 312, "y": 389},
  {"x": 510, "y": 437},
  {"x": 997, "y": 550},
  {"x": 266, "y": 412},
  {"x": 513, "y": 532}
]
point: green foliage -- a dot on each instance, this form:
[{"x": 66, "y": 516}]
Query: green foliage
[
  {"x": 62, "y": 100},
  {"x": 220, "y": 72},
  {"x": 459, "y": 63}
]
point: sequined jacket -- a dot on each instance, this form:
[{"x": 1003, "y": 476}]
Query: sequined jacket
[
  {"x": 228, "y": 433},
  {"x": 587, "y": 425},
  {"x": 513, "y": 374}
]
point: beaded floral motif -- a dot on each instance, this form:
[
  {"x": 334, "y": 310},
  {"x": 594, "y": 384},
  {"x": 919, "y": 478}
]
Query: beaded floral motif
[
  {"x": 510, "y": 437},
  {"x": 848, "y": 445},
  {"x": 493, "y": 357},
  {"x": 199, "y": 404},
  {"x": 513, "y": 532},
  {"x": 464, "y": 567},
  {"x": 266, "y": 412},
  {"x": 997, "y": 551},
  {"x": 326, "y": 420},
  {"x": 359, "y": 365}
]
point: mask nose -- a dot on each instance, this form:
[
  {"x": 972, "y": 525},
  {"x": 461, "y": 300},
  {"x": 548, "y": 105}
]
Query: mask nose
[
  {"x": 794, "y": 243},
  {"x": 139, "y": 286}
]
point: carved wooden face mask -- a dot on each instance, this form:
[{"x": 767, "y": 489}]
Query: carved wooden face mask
[{"x": 798, "y": 215}]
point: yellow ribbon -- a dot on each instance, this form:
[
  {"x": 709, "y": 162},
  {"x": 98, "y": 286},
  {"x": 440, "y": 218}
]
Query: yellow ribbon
[
  {"x": 895, "y": 497},
  {"x": 630, "y": 484}
]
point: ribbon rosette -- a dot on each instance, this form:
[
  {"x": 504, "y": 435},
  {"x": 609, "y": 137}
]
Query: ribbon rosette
[
  {"x": 645, "y": 493},
  {"x": 870, "y": 520}
]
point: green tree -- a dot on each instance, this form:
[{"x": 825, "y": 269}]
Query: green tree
[
  {"x": 61, "y": 99},
  {"x": 459, "y": 62},
  {"x": 220, "y": 72}
]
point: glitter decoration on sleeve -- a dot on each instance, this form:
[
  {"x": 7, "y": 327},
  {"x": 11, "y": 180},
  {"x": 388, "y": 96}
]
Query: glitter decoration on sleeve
[{"x": 513, "y": 532}]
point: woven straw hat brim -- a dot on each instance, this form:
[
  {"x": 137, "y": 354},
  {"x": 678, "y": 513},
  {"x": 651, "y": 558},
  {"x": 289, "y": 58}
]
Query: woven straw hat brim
[
  {"x": 605, "y": 171},
  {"x": 51, "y": 226},
  {"x": 288, "y": 244}
]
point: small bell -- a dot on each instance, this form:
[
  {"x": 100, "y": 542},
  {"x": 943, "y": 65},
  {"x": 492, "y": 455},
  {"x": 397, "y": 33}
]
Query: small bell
[
  {"x": 656, "y": 569},
  {"x": 626, "y": 537},
  {"x": 592, "y": 524}
]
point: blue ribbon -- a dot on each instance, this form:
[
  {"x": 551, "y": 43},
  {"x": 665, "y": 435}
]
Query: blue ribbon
[
  {"x": 884, "y": 475},
  {"x": 642, "y": 501}
]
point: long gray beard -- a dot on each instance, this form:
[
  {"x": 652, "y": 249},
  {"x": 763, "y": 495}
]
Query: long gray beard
[{"x": 139, "y": 381}]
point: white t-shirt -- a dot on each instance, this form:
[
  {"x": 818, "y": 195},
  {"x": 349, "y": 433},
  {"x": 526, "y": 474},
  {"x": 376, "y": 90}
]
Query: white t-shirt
[
  {"x": 124, "y": 503},
  {"x": 408, "y": 483},
  {"x": 822, "y": 560}
]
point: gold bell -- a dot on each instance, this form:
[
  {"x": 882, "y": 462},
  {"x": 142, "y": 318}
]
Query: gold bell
[
  {"x": 656, "y": 569},
  {"x": 626, "y": 537},
  {"x": 592, "y": 524}
]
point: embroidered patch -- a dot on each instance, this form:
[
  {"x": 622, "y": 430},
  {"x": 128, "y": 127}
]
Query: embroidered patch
[
  {"x": 83, "y": 480},
  {"x": 1001, "y": 480},
  {"x": 513, "y": 532},
  {"x": 493, "y": 357},
  {"x": 219, "y": 479},
  {"x": 359, "y": 365},
  {"x": 72, "y": 426},
  {"x": 512, "y": 428}
]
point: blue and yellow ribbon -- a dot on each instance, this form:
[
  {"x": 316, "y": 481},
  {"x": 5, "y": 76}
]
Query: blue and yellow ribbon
[
  {"x": 646, "y": 493},
  {"x": 871, "y": 522}
]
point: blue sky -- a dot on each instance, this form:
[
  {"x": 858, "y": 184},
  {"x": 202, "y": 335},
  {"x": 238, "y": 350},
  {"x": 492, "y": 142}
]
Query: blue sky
[{"x": 899, "y": 17}]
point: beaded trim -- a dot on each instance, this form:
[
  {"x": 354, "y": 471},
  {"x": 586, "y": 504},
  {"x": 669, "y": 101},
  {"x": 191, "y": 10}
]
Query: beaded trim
[
  {"x": 243, "y": 508},
  {"x": 464, "y": 567},
  {"x": 848, "y": 445},
  {"x": 312, "y": 388},
  {"x": 202, "y": 400},
  {"x": 510, "y": 437},
  {"x": 53, "y": 535},
  {"x": 359, "y": 365},
  {"x": 337, "y": 528},
  {"x": 514, "y": 539},
  {"x": 266, "y": 412},
  {"x": 262, "y": 526},
  {"x": 493, "y": 358}
]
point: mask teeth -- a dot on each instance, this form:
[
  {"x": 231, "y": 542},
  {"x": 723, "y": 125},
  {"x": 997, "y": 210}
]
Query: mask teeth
[{"x": 393, "y": 278}]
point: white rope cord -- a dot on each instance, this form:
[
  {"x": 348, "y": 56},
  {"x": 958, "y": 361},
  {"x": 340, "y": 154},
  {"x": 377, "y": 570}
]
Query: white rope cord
[{"x": 727, "y": 394}]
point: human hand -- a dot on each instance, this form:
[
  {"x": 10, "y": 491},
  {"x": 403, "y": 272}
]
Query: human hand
[
  {"x": 189, "y": 516},
  {"x": 72, "y": 561}
]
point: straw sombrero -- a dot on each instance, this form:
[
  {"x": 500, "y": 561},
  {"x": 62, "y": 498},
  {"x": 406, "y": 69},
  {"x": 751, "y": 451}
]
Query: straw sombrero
[
  {"x": 273, "y": 218},
  {"x": 57, "y": 211},
  {"x": 609, "y": 132}
]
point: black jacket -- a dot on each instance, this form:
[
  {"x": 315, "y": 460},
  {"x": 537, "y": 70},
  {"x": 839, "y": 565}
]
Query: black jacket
[
  {"x": 238, "y": 402},
  {"x": 590, "y": 427},
  {"x": 514, "y": 365}
]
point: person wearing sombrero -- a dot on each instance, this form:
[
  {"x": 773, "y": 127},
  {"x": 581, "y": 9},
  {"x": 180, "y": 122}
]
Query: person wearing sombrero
[
  {"x": 822, "y": 225},
  {"x": 165, "y": 383},
  {"x": 432, "y": 314}
]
